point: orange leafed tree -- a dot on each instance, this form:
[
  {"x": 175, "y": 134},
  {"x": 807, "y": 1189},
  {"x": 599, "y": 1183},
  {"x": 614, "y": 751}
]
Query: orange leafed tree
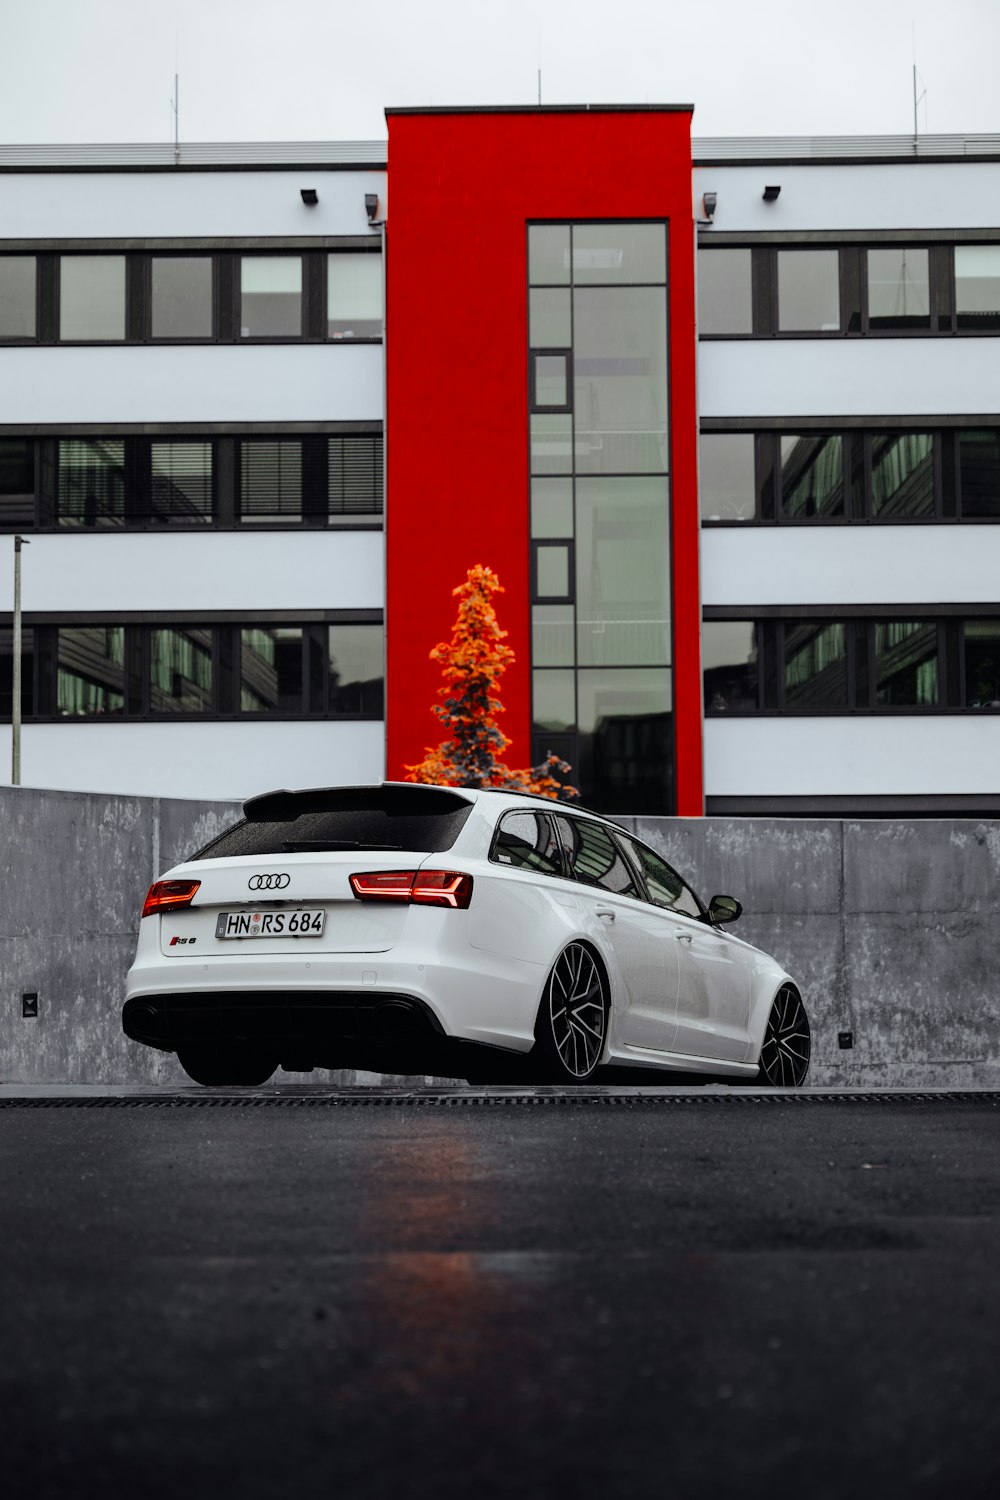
[{"x": 472, "y": 664}]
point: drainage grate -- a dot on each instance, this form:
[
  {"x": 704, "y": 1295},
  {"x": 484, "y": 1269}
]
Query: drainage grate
[{"x": 578, "y": 1099}]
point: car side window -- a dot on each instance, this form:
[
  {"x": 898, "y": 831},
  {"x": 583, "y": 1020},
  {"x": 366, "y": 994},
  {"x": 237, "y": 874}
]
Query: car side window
[
  {"x": 527, "y": 841},
  {"x": 665, "y": 886},
  {"x": 594, "y": 858}
]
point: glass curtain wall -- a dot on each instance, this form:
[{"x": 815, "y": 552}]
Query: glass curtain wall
[{"x": 600, "y": 509}]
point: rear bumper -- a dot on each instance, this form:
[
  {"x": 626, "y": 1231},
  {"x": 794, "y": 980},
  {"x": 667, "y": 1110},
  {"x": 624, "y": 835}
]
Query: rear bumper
[{"x": 297, "y": 1019}]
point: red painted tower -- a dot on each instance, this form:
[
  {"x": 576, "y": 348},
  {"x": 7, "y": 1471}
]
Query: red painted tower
[{"x": 467, "y": 186}]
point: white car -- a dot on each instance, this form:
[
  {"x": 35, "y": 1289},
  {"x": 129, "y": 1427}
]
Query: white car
[{"x": 477, "y": 934}]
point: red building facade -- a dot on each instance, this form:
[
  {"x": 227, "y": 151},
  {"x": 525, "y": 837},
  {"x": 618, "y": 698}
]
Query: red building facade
[{"x": 468, "y": 191}]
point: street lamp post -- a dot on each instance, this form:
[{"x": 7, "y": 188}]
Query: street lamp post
[{"x": 15, "y": 718}]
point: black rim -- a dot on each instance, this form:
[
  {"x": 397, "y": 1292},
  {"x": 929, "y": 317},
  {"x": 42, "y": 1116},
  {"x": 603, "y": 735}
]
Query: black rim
[
  {"x": 576, "y": 1010},
  {"x": 784, "y": 1057}
]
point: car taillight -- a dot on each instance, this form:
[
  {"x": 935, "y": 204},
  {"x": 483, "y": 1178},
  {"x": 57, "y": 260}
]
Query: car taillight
[
  {"x": 169, "y": 894},
  {"x": 415, "y": 887}
]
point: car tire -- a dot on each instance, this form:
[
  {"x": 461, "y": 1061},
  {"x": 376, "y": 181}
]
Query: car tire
[
  {"x": 784, "y": 1052},
  {"x": 232, "y": 1067},
  {"x": 572, "y": 1026}
]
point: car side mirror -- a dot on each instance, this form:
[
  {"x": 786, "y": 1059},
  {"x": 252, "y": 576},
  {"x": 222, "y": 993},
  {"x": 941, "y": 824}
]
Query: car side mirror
[{"x": 724, "y": 909}]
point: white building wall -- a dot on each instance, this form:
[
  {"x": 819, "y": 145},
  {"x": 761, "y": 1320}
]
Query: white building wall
[
  {"x": 192, "y": 384},
  {"x": 897, "y": 196},
  {"x": 214, "y": 570},
  {"x": 853, "y": 757},
  {"x": 890, "y": 565},
  {"x": 186, "y": 204},
  {"x": 913, "y": 566},
  {"x": 212, "y": 760},
  {"x": 114, "y": 387},
  {"x": 850, "y": 378}
]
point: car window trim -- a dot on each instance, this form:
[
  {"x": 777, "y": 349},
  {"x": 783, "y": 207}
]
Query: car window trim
[
  {"x": 702, "y": 908},
  {"x": 513, "y": 812}
]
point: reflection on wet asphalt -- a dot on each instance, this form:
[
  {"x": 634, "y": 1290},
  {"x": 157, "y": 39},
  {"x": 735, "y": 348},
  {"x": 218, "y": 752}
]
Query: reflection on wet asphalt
[{"x": 533, "y": 1301}]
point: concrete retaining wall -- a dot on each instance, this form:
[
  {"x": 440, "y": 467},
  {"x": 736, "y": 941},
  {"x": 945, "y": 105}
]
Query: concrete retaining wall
[{"x": 891, "y": 927}]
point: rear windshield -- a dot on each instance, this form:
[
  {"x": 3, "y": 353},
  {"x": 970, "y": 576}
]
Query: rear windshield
[{"x": 420, "y": 820}]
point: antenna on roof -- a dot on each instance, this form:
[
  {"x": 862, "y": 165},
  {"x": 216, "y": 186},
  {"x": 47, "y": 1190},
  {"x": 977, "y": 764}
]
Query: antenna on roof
[
  {"x": 175, "y": 105},
  {"x": 917, "y": 98}
]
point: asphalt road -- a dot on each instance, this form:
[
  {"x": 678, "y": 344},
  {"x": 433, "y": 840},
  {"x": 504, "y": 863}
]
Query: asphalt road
[{"x": 542, "y": 1298}]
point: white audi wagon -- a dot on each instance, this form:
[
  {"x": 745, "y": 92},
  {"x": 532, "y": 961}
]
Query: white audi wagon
[{"x": 474, "y": 934}]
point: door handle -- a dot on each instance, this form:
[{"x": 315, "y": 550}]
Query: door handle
[
  {"x": 682, "y": 937},
  {"x": 609, "y": 915}
]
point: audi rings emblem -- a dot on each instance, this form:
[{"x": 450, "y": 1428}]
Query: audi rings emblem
[{"x": 268, "y": 882}]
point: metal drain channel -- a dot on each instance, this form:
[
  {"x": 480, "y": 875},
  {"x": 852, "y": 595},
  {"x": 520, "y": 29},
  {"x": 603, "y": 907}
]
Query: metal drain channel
[{"x": 579, "y": 1100}]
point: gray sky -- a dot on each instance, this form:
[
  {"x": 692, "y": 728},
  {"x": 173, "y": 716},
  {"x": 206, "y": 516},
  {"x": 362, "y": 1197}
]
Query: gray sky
[{"x": 102, "y": 70}]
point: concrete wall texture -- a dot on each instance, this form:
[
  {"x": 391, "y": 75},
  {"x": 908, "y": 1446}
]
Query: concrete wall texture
[{"x": 890, "y": 927}]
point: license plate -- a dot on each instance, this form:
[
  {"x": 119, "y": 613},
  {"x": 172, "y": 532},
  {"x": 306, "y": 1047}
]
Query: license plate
[{"x": 269, "y": 924}]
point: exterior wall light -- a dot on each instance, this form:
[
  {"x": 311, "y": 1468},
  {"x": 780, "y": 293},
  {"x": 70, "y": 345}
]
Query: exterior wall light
[
  {"x": 770, "y": 193},
  {"x": 709, "y": 200},
  {"x": 310, "y": 197},
  {"x": 371, "y": 206}
]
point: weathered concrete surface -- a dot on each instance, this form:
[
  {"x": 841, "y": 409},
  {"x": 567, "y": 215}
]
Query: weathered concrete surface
[
  {"x": 77, "y": 867},
  {"x": 890, "y": 927}
]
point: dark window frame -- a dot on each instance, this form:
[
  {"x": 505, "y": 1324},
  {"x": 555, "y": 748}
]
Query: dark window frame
[
  {"x": 862, "y": 686},
  {"x": 853, "y": 284},
  {"x": 225, "y": 514},
  {"x": 15, "y": 341},
  {"x": 226, "y": 673},
  {"x": 226, "y": 293},
  {"x": 858, "y": 443},
  {"x": 564, "y": 408}
]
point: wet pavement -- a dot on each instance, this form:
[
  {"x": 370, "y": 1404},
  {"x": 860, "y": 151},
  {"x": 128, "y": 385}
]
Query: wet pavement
[{"x": 304, "y": 1291}]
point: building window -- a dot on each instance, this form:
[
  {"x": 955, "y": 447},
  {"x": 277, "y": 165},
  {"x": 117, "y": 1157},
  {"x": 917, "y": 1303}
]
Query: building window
[
  {"x": 811, "y": 476},
  {"x": 902, "y": 475},
  {"x": 725, "y": 291},
  {"x": 815, "y": 666},
  {"x": 877, "y": 290},
  {"x": 906, "y": 664},
  {"x": 550, "y": 380},
  {"x": 730, "y": 665},
  {"x": 180, "y": 490},
  {"x": 181, "y": 671},
  {"x": 7, "y": 673},
  {"x": 355, "y": 477},
  {"x": 354, "y": 296},
  {"x": 622, "y": 573},
  {"x": 181, "y": 296},
  {"x": 91, "y": 482},
  {"x": 135, "y": 671},
  {"x": 852, "y": 665},
  {"x": 92, "y": 298},
  {"x": 17, "y": 297},
  {"x": 808, "y": 291},
  {"x": 355, "y": 676},
  {"x": 981, "y": 664},
  {"x": 979, "y": 473},
  {"x": 17, "y": 483},
  {"x": 193, "y": 482},
  {"x": 855, "y": 476},
  {"x": 271, "y": 481},
  {"x": 977, "y": 288},
  {"x": 600, "y": 508},
  {"x": 898, "y": 289},
  {"x": 271, "y": 296},
  {"x": 727, "y": 481},
  {"x": 271, "y": 673},
  {"x": 90, "y": 672}
]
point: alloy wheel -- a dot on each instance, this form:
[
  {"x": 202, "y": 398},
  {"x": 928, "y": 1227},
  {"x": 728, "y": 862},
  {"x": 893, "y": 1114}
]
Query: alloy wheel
[
  {"x": 784, "y": 1056},
  {"x": 576, "y": 1012}
]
